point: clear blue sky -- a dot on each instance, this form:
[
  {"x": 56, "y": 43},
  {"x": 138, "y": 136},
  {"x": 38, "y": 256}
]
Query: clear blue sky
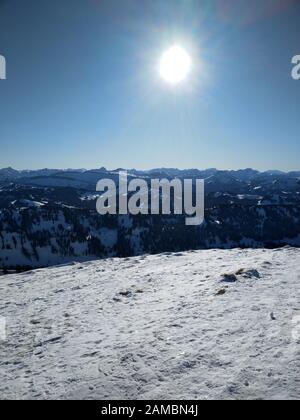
[{"x": 83, "y": 88}]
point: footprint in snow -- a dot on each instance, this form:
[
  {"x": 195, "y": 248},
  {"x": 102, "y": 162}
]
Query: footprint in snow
[{"x": 221, "y": 292}]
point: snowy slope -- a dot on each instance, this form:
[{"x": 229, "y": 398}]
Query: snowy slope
[{"x": 164, "y": 326}]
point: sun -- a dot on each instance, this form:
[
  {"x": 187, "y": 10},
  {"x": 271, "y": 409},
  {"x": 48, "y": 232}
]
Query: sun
[{"x": 175, "y": 65}]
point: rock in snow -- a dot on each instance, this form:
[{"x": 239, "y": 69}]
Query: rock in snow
[{"x": 181, "y": 338}]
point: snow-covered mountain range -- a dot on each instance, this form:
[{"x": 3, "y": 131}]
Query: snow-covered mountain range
[
  {"x": 211, "y": 324},
  {"x": 88, "y": 178},
  {"x": 49, "y": 217}
]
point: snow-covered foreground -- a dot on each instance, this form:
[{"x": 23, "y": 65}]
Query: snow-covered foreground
[{"x": 198, "y": 325}]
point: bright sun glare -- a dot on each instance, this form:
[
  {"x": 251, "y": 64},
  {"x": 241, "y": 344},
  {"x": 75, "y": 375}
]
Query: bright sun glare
[{"x": 175, "y": 65}]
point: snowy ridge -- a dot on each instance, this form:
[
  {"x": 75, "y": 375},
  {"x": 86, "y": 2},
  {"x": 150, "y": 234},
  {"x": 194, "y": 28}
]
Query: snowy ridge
[{"x": 205, "y": 324}]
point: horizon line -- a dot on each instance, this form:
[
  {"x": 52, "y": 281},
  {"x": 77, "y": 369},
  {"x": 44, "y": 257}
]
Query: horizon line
[{"x": 150, "y": 169}]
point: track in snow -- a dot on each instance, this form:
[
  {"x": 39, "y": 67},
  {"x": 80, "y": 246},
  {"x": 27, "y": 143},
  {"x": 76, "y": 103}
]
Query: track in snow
[{"x": 198, "y": 325}]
